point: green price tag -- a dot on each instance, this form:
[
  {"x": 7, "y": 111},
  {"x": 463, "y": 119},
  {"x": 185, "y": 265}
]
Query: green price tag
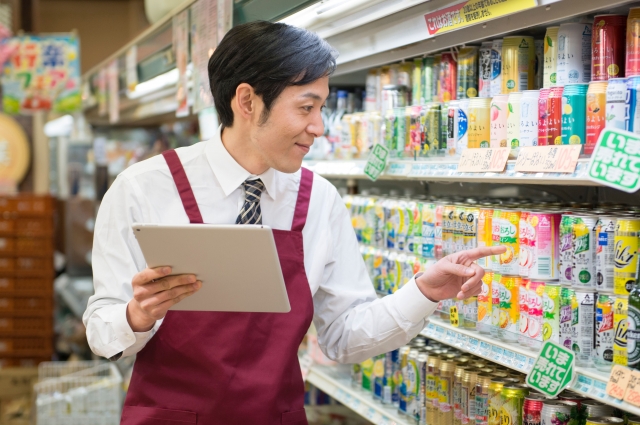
[
  {"x": 377, "y": 162},
  {"x": 553, "y": 369},
  {"x": 615, "y": 161}
]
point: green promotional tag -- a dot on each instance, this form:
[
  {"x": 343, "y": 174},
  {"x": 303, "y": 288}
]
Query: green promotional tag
[
  {"x": 615, "y": 161},
  {"x": 376, "y": 162},
  {"x": 553, "y": 370}
]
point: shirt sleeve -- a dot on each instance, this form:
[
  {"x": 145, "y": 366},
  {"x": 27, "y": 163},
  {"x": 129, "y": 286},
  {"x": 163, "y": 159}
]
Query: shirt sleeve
[
  {"x": 116, "y": 258},
  {"x": 353, "y": 323}
]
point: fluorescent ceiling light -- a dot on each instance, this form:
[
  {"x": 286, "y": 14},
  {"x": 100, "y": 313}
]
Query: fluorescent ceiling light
[
  {"x": 59, "y": 127},
  {"x": 156, "y": 83}
]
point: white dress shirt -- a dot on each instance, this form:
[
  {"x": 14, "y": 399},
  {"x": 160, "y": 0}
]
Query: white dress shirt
[{"x": 352, "y": 323}]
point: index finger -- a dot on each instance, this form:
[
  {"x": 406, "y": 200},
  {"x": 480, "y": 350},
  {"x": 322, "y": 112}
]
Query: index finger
[
  {"x": 147, "y": 275},
  {"x": 485, "y": 251}
]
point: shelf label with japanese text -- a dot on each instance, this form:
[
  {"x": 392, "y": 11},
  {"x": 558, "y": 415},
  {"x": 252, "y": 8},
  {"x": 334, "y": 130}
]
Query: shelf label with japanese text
[
  {"x": 618, "y": 381},
  {"x": 548, "y": 159},
  {"x": 553, "y": 369},
  {"x": 453, "y": 316},
  {"x": 376, "y": 162},
  {"x": 484, "y": 160},
  {"x": 615, "y": 162},
  {"x": 632, "y": 395}
]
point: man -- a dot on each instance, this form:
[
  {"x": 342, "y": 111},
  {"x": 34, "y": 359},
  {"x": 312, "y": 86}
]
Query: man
[{"x": 269, "y": 82}]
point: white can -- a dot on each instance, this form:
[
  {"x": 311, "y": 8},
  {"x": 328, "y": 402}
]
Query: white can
[
  {"x": 529, "y": 118},
  {"x": 484, "y": 74},
  {"x": 513, "y": 122},
  {"x": 583, "y": 335},
  {"x": 605, "y": 252},
  {"x": 574, "y": 54},
  {"x": 539, "y": 45},
  {"x": 584, "y": 251},
  {"x": 550, "y": 57},
  {"x": 463, "y": 126},
  {"x": 496, "y": 67},
  {"x": 452, "y": 127},
  {"x": 618, "y": 106}
]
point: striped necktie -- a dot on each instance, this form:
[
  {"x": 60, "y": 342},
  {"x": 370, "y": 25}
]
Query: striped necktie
[{"x": 251, "y": 213}]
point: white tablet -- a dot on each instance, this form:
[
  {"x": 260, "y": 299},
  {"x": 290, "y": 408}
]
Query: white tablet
[{"x": 238, "y": 265}]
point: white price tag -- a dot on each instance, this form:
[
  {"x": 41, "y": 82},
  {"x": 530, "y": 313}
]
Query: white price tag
[
  {"x": 509, "y": 357},
  {"x": 340, "y": 395},
  {"x": 419, "y": 169},
  {"x": 521, "y": 362},
  {"x": 474, "y": 345},
  {"x": 440, "y": 332},
  {"x": 600, "y": 389},
  {"x": 451, "y": 336},
  {"x": 485, "y": 348},
  {"x": 497, "y": 353},
  {"x": 399, "y": 169},
  {"x": 584, "y": 384},
  {"x": 531, "y": 362},
  {"x": 431, "y": 329}
]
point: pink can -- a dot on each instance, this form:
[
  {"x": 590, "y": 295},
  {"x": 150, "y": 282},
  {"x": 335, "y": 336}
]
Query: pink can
[
  {"x": 499, "y": 112},
  {"x": 526, "y": 233},
  {"x": 535, "y": 292},
  {"x": 543, "y": 117},
  {"x": 539, "y": 255},
  {"x": 523, "y": 323}
]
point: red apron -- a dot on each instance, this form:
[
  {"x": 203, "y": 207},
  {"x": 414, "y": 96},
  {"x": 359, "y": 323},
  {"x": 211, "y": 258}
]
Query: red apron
[{"x": 219, "y": 368}]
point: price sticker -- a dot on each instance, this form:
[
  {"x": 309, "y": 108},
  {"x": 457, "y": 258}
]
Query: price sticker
[
  {"x": 632, "y": 396},
  {"x": 461, "y": 341},
  {"x": 618, "y": 381},
  {"x": 474, "y": 345},
  {"x": 440, "y": 333},
  {"x": 399, "y": 169},
  {"x": 419, "y": 169},
  {"x": 548, "y": 159},
  {"x": 450, "y": 337},
  {"x": 509, "y": 357},
  {"x": 483, "y": 160},
  {"x": 453, "y": 316},
  {"x": 497, "y": 353},
  {"x": 600, "y": 389},
  {"x": 485, "y": 349},
  {"x": 431, "y": 329},
  {"x": 521, "y": 362}
]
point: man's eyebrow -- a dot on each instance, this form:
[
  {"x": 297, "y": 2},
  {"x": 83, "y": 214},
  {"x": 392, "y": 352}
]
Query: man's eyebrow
[{"x": 313, "y": 96}]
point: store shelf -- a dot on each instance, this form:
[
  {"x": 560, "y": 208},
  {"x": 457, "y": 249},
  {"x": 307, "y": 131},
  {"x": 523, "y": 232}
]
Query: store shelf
[
  {"x": 446, "y": 170},
  {"x": 589, "y": 382},
  {"x": 336, "y": 382}
]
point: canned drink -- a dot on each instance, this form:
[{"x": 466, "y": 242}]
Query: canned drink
[
  {"x": 438, "y": 247},
  {"x": 485, "y": 304},
  {"x": 509, "y": 308},
  {"x": 468, "y": 396},
  {"x": 518, "y": 64},
  {"x": 626, "y": 255},
  {"x": 448, "y": 217},
  {"x": 436, "y": 88},
  {"x": 420, "y": 413},
  {"x": 528, "y": 135},
  {"x": 467, "y": 74},
  {"x": 428, "y": 229},
  {"x": 608, "y": 47},
  {"x": 496, "y": 289},
  {"x": 482, "y": 398},
  {"x": 604, "y": 420},
  {"x": 470, "y": 227},
  {"x": 356, "y": 375},
  {"x": 633, "y": 84},
  {"x": 532, "y": 410},
  {"x": 566, "y": 249},
  {"x": 495, "y": 399},
  {"x": 543, "y": 118},
  {"x": 404, "y": 224},
  {"x": 378, "y": 374},
  {"x": 535, "y": 312},
  {"x": 541, "y": 258},
  {"x": 448, "y": 77},
  {"x": 415, "y": 231},
  {"x": 596, "y": 113},
  {"x": 554, "y": 122},
  {"x": 427, "y": 79},
  {"x": 485, "y": 216},
  {"x": 557, "y": 412},
  {"x": 633, "y": 329},
  {"x": 452, "y": 126},
  {"x": 457, "y": 384},
  {"x": 539, "y": 45},
  {"x": 574, "y": 53},
  {"x": 470, "y": 312},
  {"x": 632, "y": 62},
  {"x": 484, "y": 71},
  {"x": 620, "y": 324},
  {"x": 594, "y": 409},
  {"x": 509, "y": 236},
  {"x": 568, "y": 314},
  {"x": 414, "y": 146},
  {"x": 605, "y": 252},
  {"x": 523, "y": 308},
  {"x": 605, "y": 332},
  {"x": 458, "y": 229},
  {"x": 367, "y": 375},
  {"x": 513, "y": 396},
  {"x": 409, "y": 386},
  {"x": 431, "y": 388},
  {"x": 574, "y": 112},
  {"x": 550, "y": 57},
  {"x": 513, "y": 122},
  {"x": 479, "y": 123},
  {"x": 416, "y": 82},
  {"x": 394, "y": 273},
  {"x": 496, "y": 68},
  {"x": 496, "y": 224},
  {"x": 634, "y": 420},
  {"x": 583, "y": 332},
  {"x": 445, "y": 393},
  {"x": 462, "y": 141},
  {"x": 584, "y": 251},
  {"x": 434, "y": 139},
  {"x": 618, "y": 104}
]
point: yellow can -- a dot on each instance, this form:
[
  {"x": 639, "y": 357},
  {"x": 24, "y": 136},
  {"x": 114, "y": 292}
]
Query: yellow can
[
  {"x": 485, "y": 216},
  {"x": 509, "y": 291},
  {"x": 510, "y": 237},
  {"x": 620, "y": 324},
  {"x": 431, "y": 388},
  {"x": 550, "y": 57},
  {"x": 495, "y": 399},
  {"x": 483, "y": 324},
  {"x": 479, "y": 122},
  {"x": 626, "y": 255},
  {"x": 518, "y": 64}
]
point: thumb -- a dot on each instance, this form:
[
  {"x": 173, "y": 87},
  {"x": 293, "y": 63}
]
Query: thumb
[{"x": 456, "y": 269}]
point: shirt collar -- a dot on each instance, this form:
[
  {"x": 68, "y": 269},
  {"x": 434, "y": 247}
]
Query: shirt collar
[{"x": 229, "y": 173}]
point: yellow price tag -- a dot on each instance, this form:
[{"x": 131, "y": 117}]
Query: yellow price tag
[{"x": 453, "y": 316}]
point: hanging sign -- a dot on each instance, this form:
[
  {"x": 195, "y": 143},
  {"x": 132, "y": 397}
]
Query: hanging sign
[
  {"x": 548, "y": 159},
  {"x": 472, "y": 12},
  {"x": 553, "y": 370},
  {"x": 42, "y": 74},
  {"x": 615, "y": 162},
  {"x": 204, "y": 18},
  {"x": 114, "y": 99},
  {"x": 377, "y": 162},
  {"x": 131, "y": 60},
  {"x": 181, "y": 50}
]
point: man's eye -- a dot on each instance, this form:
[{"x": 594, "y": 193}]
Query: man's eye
[{"x": 307, "y": 108}]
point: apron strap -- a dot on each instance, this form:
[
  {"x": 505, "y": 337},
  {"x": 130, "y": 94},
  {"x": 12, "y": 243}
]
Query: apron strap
[
  {"x": 184, "y": 187},
  {"x": 302, "y": 204}
]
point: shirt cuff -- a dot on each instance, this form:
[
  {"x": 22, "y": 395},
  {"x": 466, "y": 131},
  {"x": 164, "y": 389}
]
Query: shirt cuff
[
  {"x": 413, "y": 305},
  {"x": 127, "y": 341}
]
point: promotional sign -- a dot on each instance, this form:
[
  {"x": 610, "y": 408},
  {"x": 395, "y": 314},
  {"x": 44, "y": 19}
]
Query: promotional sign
[
  {"x": 181, "y": 49},
  {"x": 615, "y": 162},
  {"x": 377, "y": 162},
  {"x": 618, "y": 381},
  {"x": 42, "y": 74},
  {"x": 548, "y": 159},
  {"x": 553, "y": 369},
  {"x": 472, "y": 12},
  {"x": 484, "y": 160}
]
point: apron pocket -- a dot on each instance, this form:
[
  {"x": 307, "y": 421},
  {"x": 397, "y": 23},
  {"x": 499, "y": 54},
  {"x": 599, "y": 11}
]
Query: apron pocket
[
  {"x": 138, "y": 415},
  {"x": 295, "y": 417}
]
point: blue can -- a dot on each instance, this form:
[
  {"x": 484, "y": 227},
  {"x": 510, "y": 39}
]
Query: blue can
[
  {"x": 633, "y": 84},
  {"x": 618, "y": 105},
  {"x": 574, "y": 114}
]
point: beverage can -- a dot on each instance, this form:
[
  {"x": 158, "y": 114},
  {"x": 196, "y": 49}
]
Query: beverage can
[
  {"x": 596, "y": 113},
  {"x": 448, "y": 227},
  {"x": 632, "y": 62},
  {"x": 513, "y": 396},
  {"x": 452, "y": 127},
  {"x": 448, "y": 77},
  {"x": 496, "y": 68},
  {"x": 462, "y": 135},
  {"x": 436, "y": 88},
  {"x": 470, "y": 227},
  {"x": 583, "y": 332},
  {"x": 584, "y": 251},
  {"x": 605, "y": 333},
  {"x": 574, "y": 53},
  {"x": 604, "y": 420},
  {"x": 496, "y": 290},
  {"x": 574, "y": 113},
  {"x": 539, "y": 45},
  {"x": 509, "y": 307},
  {"x": 566, "y": 249},
  {"x": 551, "y": 312},
  {"x": 509, "y": 236},
  {"x": 526, "y": 232},
  {"x": 414, "y": 146},
  {"x": 410, "y": 384},
  {"x": 479, "y": 123},
  {"x": 438, "y": 247},
  {"x": 523, "y": 308},
  {"x": 496, "y": 224},
  {"x": 482, "y": 398},
  {"x": 443, "y": 129},
  {"x": 427, "y": 80},
  {"x": 518, "y": 64},
  {"x": 415, "y": 242},
  {"x": 484, "y": 70},
  {"x": 532, "y": 410},
  {"x": 434, "y": 139},
  {"x": 428, "y": 229},
  {"x": 459, "y": 221},
  {"x": 470, "y": 312},
  {"x": 626, "y": 255},
  {"x": 457, "y": 383},
  {"x": 633, "y": 84},
  {"x": 420, "y": 412},
  {"x": 485, "y": 304},
  {"x": 633, "y": 329},
  {"x": 593, "y": 409},
  {"x": 558, "y": 412},
  {"x": 554, "y": 122},
  {"x": 445, "y": 393},
  {"x": 541, "y": 258},
  {"x": 608, "y": 47},
  {"x": 431, "y": 388},
  {"x": 467, "y": 75},
  {"x": 550, "y": 57},
  {"x": 513, "y": 122},
  {"x": 528, "y": 135},
  {"x": 485, "y": 216},
  {"x": 498, "y": 135},
  {"x": 543, "y": 118},
  {"x": 605, "y": 252},
  {"x": 495, "y": 399},
  {"x": 416, "y": 83},
  {"x": 468, "y": 396},
  {"x": 378, "y": 373},
  {"x": 620, "y": 309},
  {"x": 618, "y": 105},
  {"x": 568, "y": 305},
  {"x": 404, "y": 225},
  {"x": 535, "y": 291}
]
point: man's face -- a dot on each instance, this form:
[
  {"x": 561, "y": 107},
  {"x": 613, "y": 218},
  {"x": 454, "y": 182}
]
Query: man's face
[{"x": 294, "y": 121}]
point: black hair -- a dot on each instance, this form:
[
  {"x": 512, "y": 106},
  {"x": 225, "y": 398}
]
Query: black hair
[{"x": 269, "y": 57}]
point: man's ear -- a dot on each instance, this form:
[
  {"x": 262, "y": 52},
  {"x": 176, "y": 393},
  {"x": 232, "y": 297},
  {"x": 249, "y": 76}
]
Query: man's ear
[{"x": 243, "y": 104}]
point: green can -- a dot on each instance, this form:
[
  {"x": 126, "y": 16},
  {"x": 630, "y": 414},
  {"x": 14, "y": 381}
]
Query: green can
[
  {"x": 367, "y": 374},
  {"x": 467, "y": 77},
  {"x": 551, "y": 312},
  {"x": 574, "y": 114},
  {"x": 444, "y": 127},
  {"x": 566, "y": 249},
  {"x": 402, "y": 129},
  {"x": 390, "y": 138},
  {"x": 512, "y": 403},
  {"x": 427, "y": 79},
  {"x": 416, "y": 80},
  {"x": 434, "y": 128},
  {"x": 568, "y": 316}
]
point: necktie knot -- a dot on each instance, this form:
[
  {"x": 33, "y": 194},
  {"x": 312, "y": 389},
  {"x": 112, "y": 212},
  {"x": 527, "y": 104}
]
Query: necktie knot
[
  {"x": 253, "y": 190},
  {"x": 251, "y": 212}
]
